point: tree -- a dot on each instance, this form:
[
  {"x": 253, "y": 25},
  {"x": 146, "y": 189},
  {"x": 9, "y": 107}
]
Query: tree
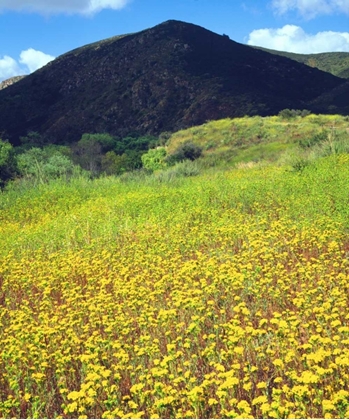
[
  {"x": 8, "y": 167},
  {"x": 41, "y": 166},
  {"x": 88, "y": 154},
  {"x": 113, "y": 164},
  {"x": 32, "y": 139}
]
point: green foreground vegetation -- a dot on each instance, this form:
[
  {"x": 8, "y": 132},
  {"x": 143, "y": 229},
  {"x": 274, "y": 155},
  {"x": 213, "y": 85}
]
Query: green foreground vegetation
[{"x": 211, "y": 287}]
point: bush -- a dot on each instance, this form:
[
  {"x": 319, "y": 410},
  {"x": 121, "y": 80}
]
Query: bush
[
  {"x": 154, "y": 159},
  {"x": 313, "y": 140},
  {"x": 288, "y": 114},
  {"x": 183, "y": 169},
  {"x": 186, "y": 151}
]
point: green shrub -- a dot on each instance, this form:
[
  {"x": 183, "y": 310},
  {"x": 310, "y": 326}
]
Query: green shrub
[
  {"x": 288, "y": 114},
  {"x": 313, "y": 140},
  {"x": 154, "y": 159},
  {"x": 183, "y": 169},
  {"x": 186, "y": 151}
]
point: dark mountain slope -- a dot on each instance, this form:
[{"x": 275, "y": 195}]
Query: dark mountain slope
[
  {"x": 335, "y": 101},
  {"x": 336, "y": 63},
  {"x": 169, "y": 77}
]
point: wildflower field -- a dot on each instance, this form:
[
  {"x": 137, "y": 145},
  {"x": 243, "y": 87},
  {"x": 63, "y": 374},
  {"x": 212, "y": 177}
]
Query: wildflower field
[{"x": 221, "y": 295}]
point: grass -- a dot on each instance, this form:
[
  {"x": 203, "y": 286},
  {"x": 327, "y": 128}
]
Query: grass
[{"x": 231, "y": 141}]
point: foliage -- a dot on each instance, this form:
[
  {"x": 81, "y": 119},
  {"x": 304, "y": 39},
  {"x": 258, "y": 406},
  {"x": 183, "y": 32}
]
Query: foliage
[
  {"x": 292, "y": 113},
  {"x": 43, "y": 165},
  {"x": 185, "y": 151},
  {"x": 232, "y": 141},
  {"x": 8, "y": 167},
  {"x": 99, "y": 153},
  {"x": 32, "y": 139},
  {"x": 88, "y": 154},
  {"x": 135, "y": 143},
  {"x": 154, "y": 159},
  {"x": 182, "y": 169},
  {"x": 336, "y": 63},
  {"x": 105, "y": 141},
  {"x": 313, "y": 140}
]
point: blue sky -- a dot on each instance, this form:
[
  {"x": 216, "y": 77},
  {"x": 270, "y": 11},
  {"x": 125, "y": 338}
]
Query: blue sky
[{"x": 33, "y": 32}]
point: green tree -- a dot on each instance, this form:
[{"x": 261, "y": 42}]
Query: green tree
[
  {"x": 32, "y": 139},
  {"x": 88, "y": 154},
  {"x": 41, "y": 166},
  {"x": 8, "y": 167},
  {"x": 113, "y": 164}
]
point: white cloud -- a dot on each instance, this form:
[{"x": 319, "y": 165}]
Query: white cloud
[
  {"x": 311, "y": 8},
  {"x": 86, "y": 7},
  {"x": 8, "y": 67},
  {"x": 29, "y": 61},
  {"x": 34, "y": 59},
  {"x": 294, "y": 39}
]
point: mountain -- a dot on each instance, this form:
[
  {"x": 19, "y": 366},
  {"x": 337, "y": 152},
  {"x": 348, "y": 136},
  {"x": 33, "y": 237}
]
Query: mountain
[
  {"x": 336, "y": 63},
  {"x": 8, "y": 82},
  {"x": 166, "y": 78},
  {"x": 334, "y": 101}
]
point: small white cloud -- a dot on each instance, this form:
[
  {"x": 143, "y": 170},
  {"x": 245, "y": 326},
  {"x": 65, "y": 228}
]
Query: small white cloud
[
  {"x": 293, "y": 38},
  {"x": 29, "y": 61},
  {"x": 311, "y": 8},
  {"x": 8, "y": 68},
  {"x": 34, "y": 59},
  {"x": 86, "y": 7}
]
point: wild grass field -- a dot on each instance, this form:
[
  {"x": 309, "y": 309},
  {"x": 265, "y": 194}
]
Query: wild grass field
[{"x": 221, "y": 295}]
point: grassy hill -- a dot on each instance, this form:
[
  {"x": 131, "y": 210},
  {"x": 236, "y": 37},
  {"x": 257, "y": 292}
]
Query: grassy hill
[
  {"x": 220, "y": 295},
  {"x": 256, "y": 139},
  {"x": 336, "y": 63}
]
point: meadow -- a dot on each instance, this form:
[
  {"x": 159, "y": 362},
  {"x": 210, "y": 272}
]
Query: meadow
[{"x": 218, "y": 295}]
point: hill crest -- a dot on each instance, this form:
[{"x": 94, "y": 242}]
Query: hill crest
[{"x": 172, "y": 76}]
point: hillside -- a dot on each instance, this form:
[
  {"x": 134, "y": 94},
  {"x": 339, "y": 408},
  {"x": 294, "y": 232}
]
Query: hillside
[
  {"x": 166, "y": 78},
  {"x": 333, "y": 101},
  {"x": 260, "y": 139},
  {"x": 8, "y": 82},
  {"x": 336, "y": 63}
]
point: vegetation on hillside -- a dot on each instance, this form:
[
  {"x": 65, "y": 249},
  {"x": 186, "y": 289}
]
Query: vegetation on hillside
[
  {"x": 294, "y": 136},
  {"x": 336, "y": 63}
]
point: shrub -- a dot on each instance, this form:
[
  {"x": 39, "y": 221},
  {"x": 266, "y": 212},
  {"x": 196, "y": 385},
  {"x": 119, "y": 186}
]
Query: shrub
[
  {"x": 154, "y": 159},
  {"x": 287, "y": 114},
  {"x": 183, "y": 169},
  {"x": 186, "y": 151},
  {"x": 313, "y": 140}
]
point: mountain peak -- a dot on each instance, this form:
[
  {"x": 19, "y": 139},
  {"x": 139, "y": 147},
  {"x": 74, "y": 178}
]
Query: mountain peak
[{"x": 165, "y": 78}]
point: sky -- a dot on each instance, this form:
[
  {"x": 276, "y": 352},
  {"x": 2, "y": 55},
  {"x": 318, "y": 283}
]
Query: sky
[{"x": 34, "y": 32}]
